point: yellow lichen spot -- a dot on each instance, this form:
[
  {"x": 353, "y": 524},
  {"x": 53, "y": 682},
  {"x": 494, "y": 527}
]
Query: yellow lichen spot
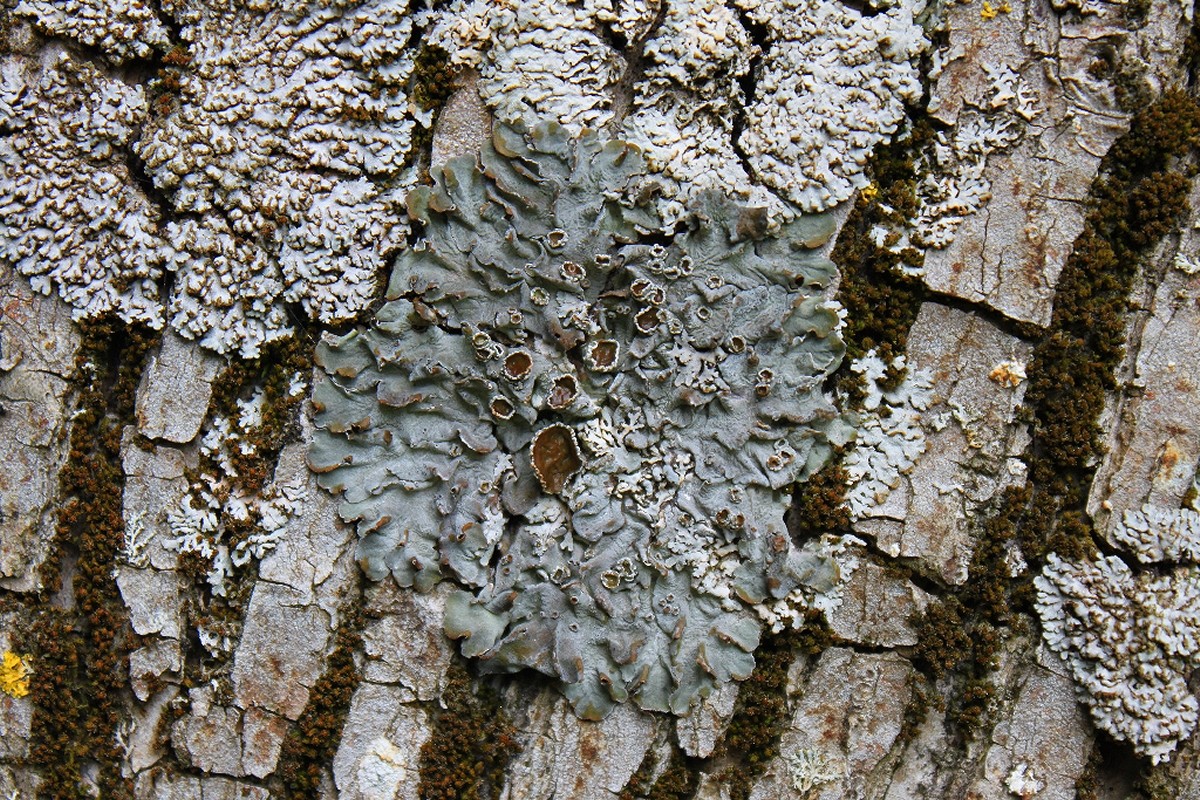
[
  {"x": 1008, "y": 373},
  {"x": 14, "y": 675},
  {"x": 871, "y": 192},
  {"x": 989, "y": 11}
]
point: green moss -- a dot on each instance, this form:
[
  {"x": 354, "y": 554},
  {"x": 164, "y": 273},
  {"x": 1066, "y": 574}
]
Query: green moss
[
  {"x": 81, "y": 651},
  {"x": 1136, "y": 12},
  {"x": 1156, "y": 783},
  {"x": 1131, "y": 90},
  {"x": 310, "y": 747},
  {"x": 922, "y": 701},
  {"x": 272, "y": 372},
  {"x": 470, "y": 745},
  {"x": 954, "y": 641}
]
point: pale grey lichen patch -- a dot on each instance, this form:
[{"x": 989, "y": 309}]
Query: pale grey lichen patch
[
  {"x": 684, "y": 107},
  {"x": 1156, "y": 534},
  {"x": 123, "y": 29},
  {"x": 283, "y": 162},
  {"x": 71, "y": 219},
  {"x": 287, "y": 157},
  {"x": 592, "y": 434},
  {"x": 833, "y": 84},
  {"x": 1131, "y": 642},
  {"x": 535, "y": 60},
  {"x": 890, "y": 433}
]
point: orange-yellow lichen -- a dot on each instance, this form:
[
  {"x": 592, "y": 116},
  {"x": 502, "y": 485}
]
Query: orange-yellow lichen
[{"x": 14, "y": 675}]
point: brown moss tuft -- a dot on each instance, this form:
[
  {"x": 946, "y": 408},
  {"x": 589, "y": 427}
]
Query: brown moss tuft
[
  {"x": 433, "y": 81},
  {"x": 81, "y": 651},
  {"x": 470, "y": 746},
  {"x": 639, "y": 783},
  {"x": 761, "y": 712},
  {"x": 310, "y": 747},
  {"x": 1138, "y": 200},
  {"x": 679, "y": 781},
  {"x": 880, "y": 300},
  {"x": 818, "y": 505}
]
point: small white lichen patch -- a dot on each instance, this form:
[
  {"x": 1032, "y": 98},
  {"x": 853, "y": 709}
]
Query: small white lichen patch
[
  {"x": 1154, "y": 534},
  {"x": 382, "y": 770},
  {"x": 890, "y": 435},
  {"x": 1014, "y": 559},
  {"x": 1189, "y": 264},
  {"x": 1022, "y": 782},
  {"x": 809, "y": 768},
  {"x": 219, "y": 500},
  {"x": 137, "y": 538},
  {"x": 955, "y": 185}
]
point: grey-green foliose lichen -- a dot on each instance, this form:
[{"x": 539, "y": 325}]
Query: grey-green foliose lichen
[{"x": 591, "y": 429}]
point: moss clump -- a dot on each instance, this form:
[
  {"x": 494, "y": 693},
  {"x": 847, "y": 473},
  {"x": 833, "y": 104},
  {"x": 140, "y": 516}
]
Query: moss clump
[
  {"x": 881, "y": 301},
  {"x": 273, "y": 372},
  {"x": 433, "y": 82},
  {"x": 639, "y": 783},
  {"x": 761, "y": 709},
  {"x": 253, "y": 457},
  {"x": 818, "y": 505},
  {"x": 311, "y": 745},
  {"x": 1138, "y": 200},
  {"x": 471, "y": 743},
  {"x": 678, "y": 781},
  {"x": 81, "y": 648},
  {"x": 761, "y": 712},
  {"x": 1087, "y": 785},
  {"x": 168, "y": 81}
]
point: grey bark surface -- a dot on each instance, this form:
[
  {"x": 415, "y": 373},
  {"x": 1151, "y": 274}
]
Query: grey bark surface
[{"x": 217, "y": 734}]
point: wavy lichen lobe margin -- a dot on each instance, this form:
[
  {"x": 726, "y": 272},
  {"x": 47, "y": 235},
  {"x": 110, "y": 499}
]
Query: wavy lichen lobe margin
[{"x": 590, "y": 427}]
